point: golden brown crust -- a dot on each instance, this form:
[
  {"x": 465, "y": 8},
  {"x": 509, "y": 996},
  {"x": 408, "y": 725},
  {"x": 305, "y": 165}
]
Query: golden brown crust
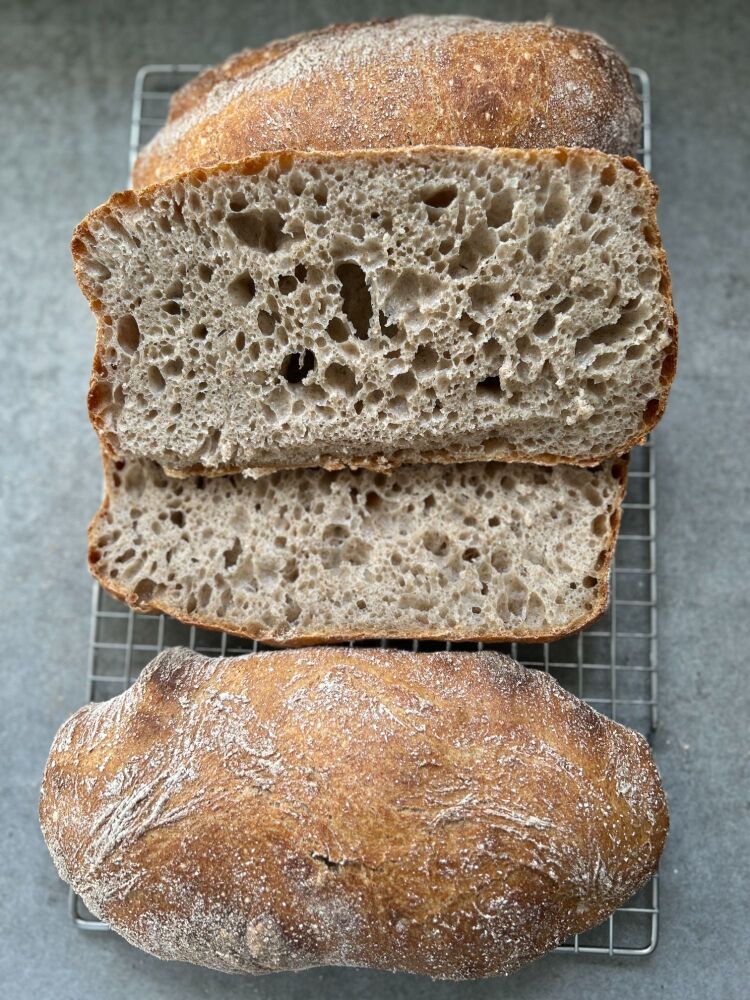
[
  {"x": 449, "y": 814},
  {"x": 98, "y": 387},
  {"x": 268, "y": 638},
  {"x": 415, "y": 81}
]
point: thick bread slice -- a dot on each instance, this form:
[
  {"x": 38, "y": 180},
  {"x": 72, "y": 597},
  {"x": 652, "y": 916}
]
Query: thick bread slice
[
  {"x": 457, "y": 81},
  {"x": 379, "y": 308},
  {"x": 448, "y": 814},
  {"x": 482, "y": 552}
]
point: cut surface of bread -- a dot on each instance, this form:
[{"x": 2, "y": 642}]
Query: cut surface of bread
[
  {"x": 458, "y": 81},
  {"x": 379, "y": 308},
  {"x": 475, "y": 551}
]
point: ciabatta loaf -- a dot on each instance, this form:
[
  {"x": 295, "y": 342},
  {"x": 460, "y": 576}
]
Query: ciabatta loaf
[
  {"x": 379, "y": 308},
  {"x": 458, "y": 81},
  {"x": 453, "y": 815},
  {"x": 485, "y": 552}
]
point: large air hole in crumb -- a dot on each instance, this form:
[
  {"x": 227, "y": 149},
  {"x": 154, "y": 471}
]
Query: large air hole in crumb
[
  {"x": 258, "y": 230},
  {"x": 128, "y": 334},
  {"x": 287, "y": 284},
  {"x": 241, "y": 289},
  {"x": 355, "y": 296},
  {"x": 296, "y": 367}
]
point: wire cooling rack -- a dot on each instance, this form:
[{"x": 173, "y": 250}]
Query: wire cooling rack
[{"x": 611, "y": 665}]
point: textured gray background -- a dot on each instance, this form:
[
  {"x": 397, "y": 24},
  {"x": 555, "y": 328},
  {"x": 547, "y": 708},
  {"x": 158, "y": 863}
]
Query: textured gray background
[{"x": 66, "y": 71}]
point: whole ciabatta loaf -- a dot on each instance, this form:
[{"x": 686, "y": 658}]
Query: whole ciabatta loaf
[
  {"x": 380, "y": 308},
  {"x": 455, "y": 81},
  {"x": 488, "y": 551},
  {"x": 454, "y": 815}
]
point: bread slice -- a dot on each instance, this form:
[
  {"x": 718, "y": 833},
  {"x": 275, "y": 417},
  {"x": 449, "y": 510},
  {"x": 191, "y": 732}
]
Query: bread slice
[
  {"x": 477, "y": 552},
  {"x": 457, "y": 81},
  {"x": 380, "y": 308}
]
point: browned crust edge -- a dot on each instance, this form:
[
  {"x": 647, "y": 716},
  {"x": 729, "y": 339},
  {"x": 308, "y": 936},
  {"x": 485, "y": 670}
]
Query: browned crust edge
[{"x": 620, "y": 471}]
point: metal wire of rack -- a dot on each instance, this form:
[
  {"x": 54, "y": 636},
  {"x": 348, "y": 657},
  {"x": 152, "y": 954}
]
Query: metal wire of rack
[{"x": 612, "y": 664}]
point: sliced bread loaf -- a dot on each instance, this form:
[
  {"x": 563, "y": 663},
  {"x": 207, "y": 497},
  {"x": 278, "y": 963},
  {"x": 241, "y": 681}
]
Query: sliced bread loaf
[
  {"x": 379, "y": 308},
  {"x": 477, "y": 551}
]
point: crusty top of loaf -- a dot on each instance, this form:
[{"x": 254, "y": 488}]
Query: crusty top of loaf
[
  {"x": 450, "y": 814},
  {"x": 417, "y": 80}
]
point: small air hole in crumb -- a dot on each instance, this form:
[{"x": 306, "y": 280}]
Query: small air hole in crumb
[
  {"x": 300, "y": 273},
  {"x": 538, "y": 245},
  {"x": 241, "y": 289},
  {"x": 337, "y": 330},
  {"x": 296, "y": 367},
  {"x": 500, "y": 210},
  {"x": 544, "y": 325},
  {"x": 261, "y": 230},
  {"x": 441, "y": 197},
  {"x": 128, "y": 334},
  {"x": 490, "y": 386},
  {"x": 205, "y": 273},
  {"x": 156, "y": 379},
  {"x": 287, "y": 284},
  {"x": 237, "y": 202},
  {"x": 609, "y": 175},
  {"x": 470, "y": 554},
  {"x": 386, "y": 328},
  {"x": 425, "y": 360},
  {"x": 355, "y": 296},
  {"x": 341, "y": 377},
  {"x": 199, "y": 331},
  {"x": 266, "y": 322}
]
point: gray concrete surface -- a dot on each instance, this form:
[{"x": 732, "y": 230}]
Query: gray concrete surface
[{"x": 66, "y": 71}]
